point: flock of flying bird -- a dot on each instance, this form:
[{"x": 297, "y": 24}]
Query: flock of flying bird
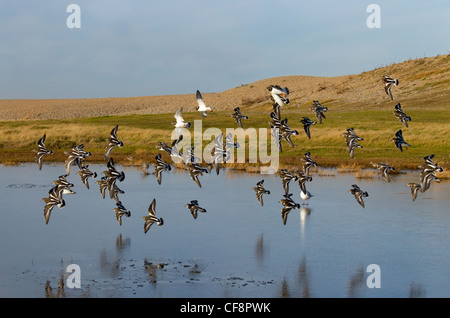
[
  {"x": 108, "y": 183},
  {"x": 280, "y": 130}
]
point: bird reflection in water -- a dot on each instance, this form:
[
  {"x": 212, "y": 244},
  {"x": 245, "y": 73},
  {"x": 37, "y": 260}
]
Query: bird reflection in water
[
  {"x": 302, "y": 286},
  {"x": 122, "y": 243},
  {"x": 356, "y": 281},
  {"x": 260, "y": 248},
  {"x": 60, "y": 293},
  {"x": 305, "y": 212},
  {"x": 152, "y": 270},
  {"x": 416, "y": 290},
  {"x": 284, "y": 292},
  {"x": 303, "y": 279},
  {"x": 111, "y": 267}
]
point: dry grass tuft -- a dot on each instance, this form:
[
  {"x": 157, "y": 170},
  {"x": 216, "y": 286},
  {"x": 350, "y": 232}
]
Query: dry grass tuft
[
  {"x": 349, "y": 167},
  {"x": 365, "y": 174}
]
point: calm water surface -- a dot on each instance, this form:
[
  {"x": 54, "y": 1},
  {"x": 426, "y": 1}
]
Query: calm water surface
[{"x": 236, "y": 249}]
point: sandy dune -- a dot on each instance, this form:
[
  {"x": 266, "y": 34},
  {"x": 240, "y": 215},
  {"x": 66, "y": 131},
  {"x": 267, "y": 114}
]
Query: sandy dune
[{"x": 424, "y": 78}]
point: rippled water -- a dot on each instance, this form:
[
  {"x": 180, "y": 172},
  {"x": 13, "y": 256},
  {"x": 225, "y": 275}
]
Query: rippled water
[{"x": 236, "y": 249}]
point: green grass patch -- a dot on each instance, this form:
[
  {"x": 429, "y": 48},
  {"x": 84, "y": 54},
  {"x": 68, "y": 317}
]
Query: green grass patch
[{"x": 427, "y": 133}]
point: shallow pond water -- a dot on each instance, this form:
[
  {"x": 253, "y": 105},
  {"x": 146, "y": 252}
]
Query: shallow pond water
[{"x": 238, "y": 248}]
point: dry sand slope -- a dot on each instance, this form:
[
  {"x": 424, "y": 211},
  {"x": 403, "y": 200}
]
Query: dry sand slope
[{"x": 423, "y": 78}]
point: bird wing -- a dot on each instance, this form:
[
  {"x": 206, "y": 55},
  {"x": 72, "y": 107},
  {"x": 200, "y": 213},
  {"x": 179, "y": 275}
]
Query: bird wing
[
  {"x": 148, "y": 223},
  {"x": 114, "y": 132},
  {"x": 48, "y": 211},
  {"x": 41, "y": 141},
  {"x": 178, "y": 116},
  {"x": 177, "y": 141},
  {"x": 200, "y": 101},
  {"x": 384, "y": 173},
  {"x": 404, "y": 121},
  {"x": 277, "y": 99},
  {"x": 118, "y": 216},
  {"x": 276, "y": 110},
  {"x": 306, "y": 128},
  {"x": 39, "y": 157},
  {"x": 197, "y": 181},
  {"x": 238, "y": 120},
  {"x": 387, "y": 88},
  {"x": 285, "y": 183},
  {"x": 319, "y": 116},
  {"x": 84, "y": 178},
  {"x": 284, "y": 213},
  {"x": 302, "y": 185},
  {"x": 194, "y": 176},
  {"x": 229, "y": 142},
  {"x": 414, "y": 189},
  {"x": 109, "y": 148},
  {"x": 287, "y": 137},
  {"x": 158, "y": 174},
  {"x": 151, "y": 209},
  {"x": 358, "y": 196},
  {"x": 68, "y": 163},
  {"x": 259, "y": 196}
]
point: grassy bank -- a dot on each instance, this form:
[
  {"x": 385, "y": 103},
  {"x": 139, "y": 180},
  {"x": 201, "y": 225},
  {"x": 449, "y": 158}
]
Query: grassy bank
[{"x": 427, "y": 134}]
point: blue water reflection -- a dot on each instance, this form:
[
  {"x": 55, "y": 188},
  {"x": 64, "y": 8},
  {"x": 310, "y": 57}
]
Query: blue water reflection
[{"x": 238, "y": 248}]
